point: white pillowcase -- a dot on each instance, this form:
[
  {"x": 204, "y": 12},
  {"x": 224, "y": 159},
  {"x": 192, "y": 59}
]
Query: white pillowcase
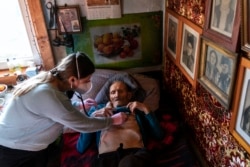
[{"x": 150, "y": 85}]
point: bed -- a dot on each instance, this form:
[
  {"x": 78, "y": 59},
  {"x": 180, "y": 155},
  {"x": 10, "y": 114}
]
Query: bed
[{"x": 173, "y": 150}]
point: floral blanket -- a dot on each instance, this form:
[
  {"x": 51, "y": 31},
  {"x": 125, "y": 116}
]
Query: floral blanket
[{"x": 168, "y": 152}]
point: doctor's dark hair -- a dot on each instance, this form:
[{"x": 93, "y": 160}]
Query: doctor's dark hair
[{"x": 75, "y": 64}]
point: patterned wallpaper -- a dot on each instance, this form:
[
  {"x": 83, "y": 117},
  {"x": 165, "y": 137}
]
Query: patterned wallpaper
[
  {"x": 207, "y": 119},
  {"x": 194, "y": 10}
]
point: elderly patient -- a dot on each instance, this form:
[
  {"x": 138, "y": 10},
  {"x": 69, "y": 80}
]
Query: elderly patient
[{"x": 123, "y": 145}]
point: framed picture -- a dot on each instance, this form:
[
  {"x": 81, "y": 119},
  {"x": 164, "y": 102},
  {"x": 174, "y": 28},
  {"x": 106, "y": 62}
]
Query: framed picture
[
  {"x": 222, "y": 22},
  {"x": 190, "y": 49},
  {"x": 68, "y": 19},
  {"x": 240, "y": 121},
  {"x": 246, "y": 26},
  {"x": 217, "y": 71},
  {"x": 172, "y": 34}
]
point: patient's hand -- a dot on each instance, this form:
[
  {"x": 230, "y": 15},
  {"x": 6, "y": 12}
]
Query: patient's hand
[{"x": 139, "y": 106}]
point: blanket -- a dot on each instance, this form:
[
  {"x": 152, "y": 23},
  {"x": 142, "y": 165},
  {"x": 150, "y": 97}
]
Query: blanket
[{"x": 168, "y": 152}]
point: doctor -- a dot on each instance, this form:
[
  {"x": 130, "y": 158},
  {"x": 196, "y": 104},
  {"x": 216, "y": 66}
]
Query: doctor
[{"x": 40, "y": 108}]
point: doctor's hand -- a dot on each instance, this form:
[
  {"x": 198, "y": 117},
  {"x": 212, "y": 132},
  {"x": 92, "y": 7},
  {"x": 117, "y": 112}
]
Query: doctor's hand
[{"x": 89, "y": 103}]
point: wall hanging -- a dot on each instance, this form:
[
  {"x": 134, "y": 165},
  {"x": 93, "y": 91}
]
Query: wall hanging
[
  {"x": 104, "y": 9},
  {"x": 222, "y": 22},
  {"x": 172, "y": 38},
  {"x": 68, "y": 19},
  {"x": 190, "y": 50},
  {"x": 246, "y": 26},
  {"x": 135, "y": 40},
  {"x": 240, "y": 121},
  {"x": 217, "y": 71}
]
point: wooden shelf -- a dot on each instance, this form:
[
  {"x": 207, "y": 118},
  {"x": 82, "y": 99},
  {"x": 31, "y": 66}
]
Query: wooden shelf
[{"x": 9, "y": 78}]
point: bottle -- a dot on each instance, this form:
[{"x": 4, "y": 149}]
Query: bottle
[
  {"x": 17, "y": 67},
  {"x": 10, "y": 66}
]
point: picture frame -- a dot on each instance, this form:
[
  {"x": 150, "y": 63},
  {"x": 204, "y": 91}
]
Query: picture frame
[
  {"x": 172, "y": 34},
  {"x": 217, "y": 70},
  {"x": 190, "y": 34},
  {"x": 239, "y": 124},
  {"x": 245, "y": 26},
  {"x": 68, "y": 19},
  {"x": 215, "y": 29}
]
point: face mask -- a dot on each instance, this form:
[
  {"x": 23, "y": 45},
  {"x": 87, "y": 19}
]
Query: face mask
[{"x": 84, "y": 88}]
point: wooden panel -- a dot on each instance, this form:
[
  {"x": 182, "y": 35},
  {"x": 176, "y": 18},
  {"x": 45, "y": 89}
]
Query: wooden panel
[{"x": 41, "y": 33}]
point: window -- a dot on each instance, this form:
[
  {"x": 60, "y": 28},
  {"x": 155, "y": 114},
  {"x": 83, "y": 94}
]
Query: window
[{"x": 17, "y": 37}]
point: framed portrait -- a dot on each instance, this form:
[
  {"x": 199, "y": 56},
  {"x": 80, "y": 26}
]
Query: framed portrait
[
  {"x": 240, "y": 121},
  {"x": 190, "y": 50},
  {"x": 246, "y": 26},
  {"x": 172, "y": 34},
  {"x": 217, "y": 71},
  {"x": 222, "y": 23},
  {"x": 68, "y": 19}
]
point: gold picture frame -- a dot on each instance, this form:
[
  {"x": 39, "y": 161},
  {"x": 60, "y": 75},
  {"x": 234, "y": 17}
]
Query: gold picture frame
[
  {"x": 240, "y": 123},
  {"x": 217, "y": 70},
  {"x": 188, "y": 63}
]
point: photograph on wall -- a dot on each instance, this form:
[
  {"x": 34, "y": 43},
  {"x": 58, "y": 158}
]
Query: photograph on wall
[
  {"x": 189, "y": 50},
  {"x": 240, "y": 120},
  {"x": 142, "y": 32},
  {"x": 243, "y": 118},
  {"x": 68, "y": 19},
  {"x": 223, "y": 15},
  {"x": 172, "y": 34},
  {"x": 112, "y": 44},
  {"x": 245, "y": 17},
  {"x": 217, "y": 70},
  {"x": 222, "y": 22}
]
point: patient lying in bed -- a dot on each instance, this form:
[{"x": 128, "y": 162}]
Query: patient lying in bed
[
  {"x": 171, "y": 151},
  {"x": 123, "y": 145}
]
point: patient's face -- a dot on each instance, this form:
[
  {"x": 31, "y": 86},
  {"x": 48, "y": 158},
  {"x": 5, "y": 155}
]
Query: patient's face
[{"x": 118, "y": 94}]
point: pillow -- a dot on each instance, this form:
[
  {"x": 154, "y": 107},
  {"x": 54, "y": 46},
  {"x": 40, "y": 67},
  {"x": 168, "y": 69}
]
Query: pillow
[
  {"x": 150, "y": 85},
  {"x": 101, "y": 76},
  {"x": 139, "y": 93},
  {"x": 152, "y": 88},
  {"x": 98, "y": 79}
]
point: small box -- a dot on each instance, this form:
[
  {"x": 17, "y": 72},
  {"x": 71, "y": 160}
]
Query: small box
[{"x": 31, "y": 71}]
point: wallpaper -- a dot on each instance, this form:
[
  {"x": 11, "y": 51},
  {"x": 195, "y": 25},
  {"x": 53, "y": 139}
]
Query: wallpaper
[
  {"x": 209, "y": 121},
  {"x": 194, "y": 10}
]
